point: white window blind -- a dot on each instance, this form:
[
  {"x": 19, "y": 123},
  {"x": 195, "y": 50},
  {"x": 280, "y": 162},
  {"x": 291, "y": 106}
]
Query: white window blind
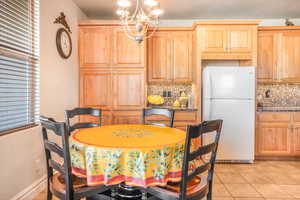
[{"x": 19, "y": 64}]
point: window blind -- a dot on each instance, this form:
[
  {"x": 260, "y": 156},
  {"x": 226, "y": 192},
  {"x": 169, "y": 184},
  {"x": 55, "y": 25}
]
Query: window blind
[{"x": 19, "y": 64}]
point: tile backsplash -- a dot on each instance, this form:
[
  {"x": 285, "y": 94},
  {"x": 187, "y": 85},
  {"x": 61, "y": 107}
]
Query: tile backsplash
[
  {"x": 280, "y": 94},
  {"x": 175, "y": 91}
]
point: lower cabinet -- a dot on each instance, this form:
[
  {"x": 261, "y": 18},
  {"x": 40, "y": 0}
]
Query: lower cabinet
[
  {"x": 127, "y": 117},
  {"x": 273, "y": 139},
  {"x": 296, "y": 139},
  {"x": 278, "y": 134}
]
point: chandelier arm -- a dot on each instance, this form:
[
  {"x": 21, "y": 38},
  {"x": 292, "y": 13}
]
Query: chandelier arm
[
  {"x": 131, "y": 18},
  {"x": 128, "y": 33}
]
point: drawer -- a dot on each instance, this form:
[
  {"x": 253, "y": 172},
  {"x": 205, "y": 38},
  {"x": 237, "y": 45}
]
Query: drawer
[
  {"x": 185, "y": 116},
  {"x": 274, "y": 117},
  {"x": 179, "y": 116}
]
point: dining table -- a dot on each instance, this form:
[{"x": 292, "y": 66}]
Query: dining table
[{"x": 131, "y": 155}]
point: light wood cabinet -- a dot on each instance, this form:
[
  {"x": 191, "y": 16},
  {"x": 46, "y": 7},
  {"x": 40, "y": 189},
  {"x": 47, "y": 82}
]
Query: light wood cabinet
[
  {"x": 128, "y": 89},
  {"x": 181, "y": 119},
  {"x": 278, "y": 54},
  {"x": 240, "y": 39},
  {"x": 226, "y": 40},
  {"x": 267, "y": 57},
  {"x": 95, "y": 47},
  {"x": 112, "y": 72},
  {"x": 274, "y": 139},
  {"x": 181, "y": 65},
  {"x": 213, "y": 39},
  {"x": 127, "y": 52},
  {"x": 289, "y": 56},
  {"x": 159, "y": 62},
  {"x": 170, "y": 57},
  {"x": 277, "y": 135},
  {"x": 95, "y": 89},
  {"x": 127, "y": 117},
  {"x": 296, "y": 139}
]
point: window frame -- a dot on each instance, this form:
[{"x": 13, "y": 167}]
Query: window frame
[{"x": 34, "y": 59}]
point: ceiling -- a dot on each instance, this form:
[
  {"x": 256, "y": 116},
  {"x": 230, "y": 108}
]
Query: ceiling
[{"x": 202, "y": 9}]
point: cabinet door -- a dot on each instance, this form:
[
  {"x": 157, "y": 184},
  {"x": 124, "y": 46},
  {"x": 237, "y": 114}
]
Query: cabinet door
[
  {"x": 127, "y": 52},
  {"x": 239, "y": 39},
  {"x": 127, "y": 117},
  {"x": 129, "y": 89},
  {"x": 182, "y": 56},
  {"x": 267, "y": 57},
  {"x": 273, "y": 139},
  {"x": 296, "y": 139},
  {"x": 213, "y": 39},
  {"x": 95, "y": 89},
  {"x": 289, "y": 56},
  {"x": 95, "y": 46},
  {"x": 159, "y": 61}
]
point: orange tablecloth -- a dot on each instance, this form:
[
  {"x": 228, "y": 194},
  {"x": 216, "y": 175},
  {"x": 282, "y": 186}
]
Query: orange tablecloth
[{"x": 141, "y": 155}]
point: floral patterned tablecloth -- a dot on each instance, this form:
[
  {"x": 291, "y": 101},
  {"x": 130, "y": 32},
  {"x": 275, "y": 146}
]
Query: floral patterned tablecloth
[{"x": 140, "y": 155}]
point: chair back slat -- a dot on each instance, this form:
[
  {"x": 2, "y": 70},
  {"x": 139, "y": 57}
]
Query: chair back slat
[
  {"x": 51, "y": 146},
  {"x": 82, "y": 111},
  {"x": 198, "y": 170},
  {"x": 156, "y": 124},
  {"x": 83, "y": 125},
  {"x": 202, "y": 151},
  {"x": 192, "y": 133},
  {"x": 55, "y": 165},
  {"x": 159, "y": 111},
  {"x": 49, "y": 125}
]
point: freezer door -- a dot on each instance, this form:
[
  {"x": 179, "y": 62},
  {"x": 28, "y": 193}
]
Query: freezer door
[
  {"x": 237, "y": 136},
  {"x": 229, "y": 82}
]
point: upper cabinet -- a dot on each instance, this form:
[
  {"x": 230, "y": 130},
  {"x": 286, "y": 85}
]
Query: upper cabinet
[
  {"x": 95, "y": 46},
  {"x": 108, "y": 46},
  {"x": 181, "y": 56},
  {"x": 228, "y": 40},
  {"x": 127, "y": 52},
  {"x": 290, "y": 56},
  {"x": 158, "y": 54},
  {"x": 267, "y": 57},
  {"x": 170, "y": 57},
  {"x": 278, "y": 54}
]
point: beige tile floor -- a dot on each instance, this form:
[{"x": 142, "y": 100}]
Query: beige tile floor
[{"x": 264, "y": 180}]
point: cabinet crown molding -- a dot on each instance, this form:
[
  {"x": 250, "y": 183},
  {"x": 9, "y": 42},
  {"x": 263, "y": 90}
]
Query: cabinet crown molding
[{"x": 227, "y": 22}]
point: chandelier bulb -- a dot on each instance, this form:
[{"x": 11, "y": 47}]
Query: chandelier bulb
[
  {"x": 124, "y": 3},
  {"x": 151, "y": 3}
]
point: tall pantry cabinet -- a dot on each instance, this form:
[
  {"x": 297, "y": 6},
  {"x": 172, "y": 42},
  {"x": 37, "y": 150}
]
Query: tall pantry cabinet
[{"x": 112, "y": 73}]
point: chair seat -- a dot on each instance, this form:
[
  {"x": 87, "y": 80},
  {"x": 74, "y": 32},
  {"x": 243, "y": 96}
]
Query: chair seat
[
  {"x": 196, "y": 185},
  {"x": 58, "y": 183}
]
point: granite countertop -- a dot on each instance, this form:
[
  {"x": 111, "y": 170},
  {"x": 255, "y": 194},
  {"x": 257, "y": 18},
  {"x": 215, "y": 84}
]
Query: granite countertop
[
  {"x": 187, "y": 109},
  {"x": 278, "y": 109}
]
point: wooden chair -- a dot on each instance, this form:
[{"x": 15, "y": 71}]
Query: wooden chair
[
  {"x": 193, "y": 185},
  {"x": 159, "y": 111},
  {"x": 82, "y": 111},
  {"x": 63, "y": 184}
]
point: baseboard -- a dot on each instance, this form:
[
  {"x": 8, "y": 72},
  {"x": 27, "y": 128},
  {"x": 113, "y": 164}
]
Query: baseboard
[{"x": 30, "y": 192}]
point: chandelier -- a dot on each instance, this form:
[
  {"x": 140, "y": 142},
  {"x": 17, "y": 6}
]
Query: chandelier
[{"x": 145, "y": 15}]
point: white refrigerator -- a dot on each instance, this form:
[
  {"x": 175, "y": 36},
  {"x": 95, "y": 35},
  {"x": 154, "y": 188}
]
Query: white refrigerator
[{"x": 229, "y": 94}]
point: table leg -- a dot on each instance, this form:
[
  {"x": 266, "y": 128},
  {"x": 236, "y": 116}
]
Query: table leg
[{"x": 128, "y": 192}]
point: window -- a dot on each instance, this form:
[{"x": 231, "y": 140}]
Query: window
[{"x": 19, "y": 64}]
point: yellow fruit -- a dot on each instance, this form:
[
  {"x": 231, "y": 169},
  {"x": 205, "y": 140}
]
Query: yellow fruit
[{"x": 155, "y": 99}]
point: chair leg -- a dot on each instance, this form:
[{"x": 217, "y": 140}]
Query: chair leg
[
  {"x": 49, "y": 194},
  {"x": 209, "y": 194}
]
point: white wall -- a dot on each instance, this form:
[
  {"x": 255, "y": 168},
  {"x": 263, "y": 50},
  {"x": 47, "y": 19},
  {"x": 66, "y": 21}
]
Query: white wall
[{"x": 21, "y": 153}]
